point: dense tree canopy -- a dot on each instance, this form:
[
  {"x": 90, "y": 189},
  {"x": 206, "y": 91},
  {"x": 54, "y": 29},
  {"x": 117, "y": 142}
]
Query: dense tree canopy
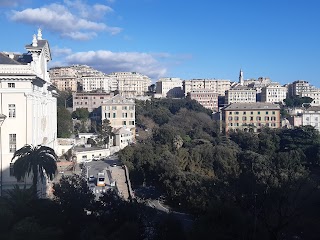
[{"x": 268, "y": 179}]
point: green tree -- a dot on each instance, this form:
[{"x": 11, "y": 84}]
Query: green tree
[
  {"x": 81, "y": 114},
  {"x": 104, "y": 131},
  {"x": 64, "y": 122},
  {"x": 297, "y": 101},
  {"x": 40, "y": 161}
]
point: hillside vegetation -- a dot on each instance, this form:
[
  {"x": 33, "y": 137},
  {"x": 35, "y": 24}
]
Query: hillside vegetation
[{"x": 240, "y": 186}]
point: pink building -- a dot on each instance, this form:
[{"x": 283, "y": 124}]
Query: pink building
[{"x": 207, "y": 98}]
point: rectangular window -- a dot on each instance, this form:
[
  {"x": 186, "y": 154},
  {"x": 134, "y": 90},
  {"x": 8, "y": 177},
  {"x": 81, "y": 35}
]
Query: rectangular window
[
  {"x": 12, "y": 110},
  {"x": 124, "y": 123},
  {"x": 114, "y": 107},
  {"x": 114, "y": 115},
  {"x": 11, "y": 85},
  {"x": 12, "y": 142}
]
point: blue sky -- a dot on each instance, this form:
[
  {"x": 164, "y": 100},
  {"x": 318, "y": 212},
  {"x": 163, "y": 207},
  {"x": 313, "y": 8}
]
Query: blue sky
[{"x": 279, "y": 39}]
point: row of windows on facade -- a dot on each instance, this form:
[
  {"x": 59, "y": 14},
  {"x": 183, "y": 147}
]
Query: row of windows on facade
[
  {"x": 115, "y": 108},
  {"x": 244, "y": 113},
  {"x": 308, "y": 119},
  {"x": 251, "y": 118},
  {"x": 258, "y": 124},
  {"x": 114, "y": 115}
]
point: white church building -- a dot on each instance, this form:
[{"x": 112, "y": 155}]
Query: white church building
[{"x": 28, "y": 104}]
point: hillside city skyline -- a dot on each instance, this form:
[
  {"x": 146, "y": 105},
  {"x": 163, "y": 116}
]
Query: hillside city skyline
[{"x": 158, "y": 39}]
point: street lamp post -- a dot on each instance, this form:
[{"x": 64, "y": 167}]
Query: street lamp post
[{"x": 2, "y": 118}]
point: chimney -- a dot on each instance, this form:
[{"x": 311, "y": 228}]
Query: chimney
[{"x": 39, "y": 34}]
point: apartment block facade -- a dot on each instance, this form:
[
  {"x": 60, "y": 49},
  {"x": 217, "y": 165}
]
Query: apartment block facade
[
  {"x": 250, "y": 116},
  {"x": 299, "y": 86},
  {"x": 240, "y": 94},
  {"x": 314, "y": 94},
  {"x": 274, "y": 93},
  {"x": 89, "y": 100},
  {"x": 216, "y": 85},
  {"x": 207, "y": 98},
  {"x": 311, "y": 116},
  {"x": 120, "y": 112},
  {"x": 169, "y": 87},
  {"x": 131, "y": 84},
  {"x": 64, "y": 78}
]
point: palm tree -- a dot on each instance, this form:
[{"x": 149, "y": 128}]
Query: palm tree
[{"x": 38, "y": 160}]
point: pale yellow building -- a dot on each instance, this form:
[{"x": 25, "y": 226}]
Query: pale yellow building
[
  {"x": 250, "y": 116},
  {"x": 241, "y": 94},
  {"x": 64, "y": 78},
  {"x": 120, "y": 112}
]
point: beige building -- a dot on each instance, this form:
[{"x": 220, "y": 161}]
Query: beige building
[
  {"x": 240, "y": 94},
  {"x": 120, "y": 112},
  {"x": 216, "y": 85},
  {"x": 131, "y": 84},
  {"x": 89, "y": 100},
  {"x": 273, "y": 93},
  {"x": 64, "y": 78},
  {"x": 250, "y": 116},
  {"x": 207, "y": 98},
  {"x": 169, "y": 87}
]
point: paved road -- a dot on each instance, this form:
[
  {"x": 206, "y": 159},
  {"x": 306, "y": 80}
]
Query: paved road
[{"x": 113, "y": 172}]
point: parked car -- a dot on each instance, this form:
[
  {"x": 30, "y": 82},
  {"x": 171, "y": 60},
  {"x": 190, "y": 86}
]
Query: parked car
[{"x": 92, "y": 178}]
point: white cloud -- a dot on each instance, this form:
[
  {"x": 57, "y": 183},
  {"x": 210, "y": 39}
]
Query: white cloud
[
  {"x": 108, "y": 62},
  {"x": 57, "y": 51},
  {"x": 63, "y": 20}
]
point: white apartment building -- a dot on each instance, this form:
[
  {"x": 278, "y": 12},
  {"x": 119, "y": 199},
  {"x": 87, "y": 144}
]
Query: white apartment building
[
  {"x": 311, "y": 116},
  {"x": 240, "y": 94},
  {"x": 216, "y": 85},
  {"x": 98, "y": 82},
  {"x": 131, "y": 84},
  {"x": 297, "y": 87},
  {"x": 28, "y": 100},
  {"x": 314, "y": 94},
  {"x": 120, "y": 112},
  {"x": 169, "y": 87},
  {"x": 273, "y": 93}
]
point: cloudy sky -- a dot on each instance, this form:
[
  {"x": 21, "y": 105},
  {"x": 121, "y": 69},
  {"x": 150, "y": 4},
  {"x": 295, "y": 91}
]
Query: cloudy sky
[{"x": 174, "y": 38}]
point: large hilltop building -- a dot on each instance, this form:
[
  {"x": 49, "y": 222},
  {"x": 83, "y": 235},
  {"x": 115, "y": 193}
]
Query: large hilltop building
[
  {"x": 216, "y": 85},
  {"x": 131, "y": 84},
  {"x": 250, "y": 116},
  {"x": 28, "y": 105}
]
